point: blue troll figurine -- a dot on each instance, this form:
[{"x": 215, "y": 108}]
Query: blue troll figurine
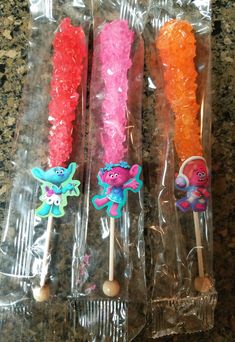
[{"x": 57, "y": 185}]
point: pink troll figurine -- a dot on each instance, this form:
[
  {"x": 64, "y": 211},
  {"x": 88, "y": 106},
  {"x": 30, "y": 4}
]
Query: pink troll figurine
[{"x": 116, "y": 180}]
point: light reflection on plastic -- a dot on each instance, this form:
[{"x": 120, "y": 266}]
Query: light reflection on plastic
[
  {"x": 104, "y": 228},
  {"x": 151, "y": 84},
  {"x": 78, "y": 3},
  {"x": 41, "y": 8},
  {"x": 200, "y": 4}
]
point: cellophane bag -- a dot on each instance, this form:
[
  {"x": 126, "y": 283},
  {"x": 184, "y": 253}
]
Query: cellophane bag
[
  {"x": 51, "y": 126},
  {"x": 108, "y": 271},
  {"x": 177, "y": 110}
]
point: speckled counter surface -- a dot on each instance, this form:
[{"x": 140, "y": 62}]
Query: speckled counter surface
[{"x": 14, "y": 25}]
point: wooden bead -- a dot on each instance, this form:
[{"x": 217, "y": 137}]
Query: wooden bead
[
  {"x": 41, "y": 294},
  {"x": 202, "y": 284},
  {"x": 111, "y": 288}
]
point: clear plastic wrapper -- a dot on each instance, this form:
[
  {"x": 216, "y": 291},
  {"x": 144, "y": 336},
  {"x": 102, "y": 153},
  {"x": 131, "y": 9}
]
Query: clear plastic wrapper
[
  {"x": 41, "y": 213},
  {"x": 182, "y": 296},
  {"x": 108, "y": 271}
]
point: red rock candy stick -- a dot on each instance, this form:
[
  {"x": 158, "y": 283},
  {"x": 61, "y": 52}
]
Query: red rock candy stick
[
  {"x": 68, "y": 61},
  {"x": 69, "y": 53}
]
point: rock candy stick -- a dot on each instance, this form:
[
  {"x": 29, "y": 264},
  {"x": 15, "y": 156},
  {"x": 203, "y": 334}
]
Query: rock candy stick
[
  {"x": 69, "y": 53},
  {"x": 115, "y": 46},
  {"x": 115, "y": 40},
  {"x": 176, "y": 44},
  {"x": 68, "y": 60},
  {"x": 177, "y": 49},
  {"x": 117, "y": 177}
]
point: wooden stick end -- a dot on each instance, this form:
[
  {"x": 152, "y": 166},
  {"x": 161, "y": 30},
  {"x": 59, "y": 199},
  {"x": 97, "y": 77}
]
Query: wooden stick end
[
  {"x": 111, "y": 288},
  {"x": 202, "y": 284},
  {"x": 41, "y": 294}
]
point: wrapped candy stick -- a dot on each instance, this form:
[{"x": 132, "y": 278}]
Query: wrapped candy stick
[
  {"x": 109, "y": 248},
  {"x": 177, "y": 49},
  {"x": 117, "y": 177},
  {"x": 57, "y": 183}
]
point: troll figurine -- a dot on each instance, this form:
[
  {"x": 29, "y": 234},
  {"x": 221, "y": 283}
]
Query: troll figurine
[
  {"x": 57, "y": 185},
  {"x": 116, "y": 180},
  {"x": 193, "y": 178}
]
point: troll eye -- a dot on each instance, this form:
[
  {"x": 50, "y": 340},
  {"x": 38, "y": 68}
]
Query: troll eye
[
  {"x": 116, "y": 175},
  {"x": 203, "y": 174},
  {"x": 111, "y": 175},
  {"x": 61, "y": 171},
  {"x": 57, "y": 172}
]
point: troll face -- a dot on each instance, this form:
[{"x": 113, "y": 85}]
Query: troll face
[
  {"x": 117, "y": 176},
  {"x": 197, "y": 173},
  {"x": 56, "y": 175}
]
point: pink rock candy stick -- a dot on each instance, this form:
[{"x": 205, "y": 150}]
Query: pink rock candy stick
[{"x": 115, "y": 41}]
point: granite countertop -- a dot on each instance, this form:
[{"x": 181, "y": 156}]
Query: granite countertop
[{"x": 14, "y": 23}]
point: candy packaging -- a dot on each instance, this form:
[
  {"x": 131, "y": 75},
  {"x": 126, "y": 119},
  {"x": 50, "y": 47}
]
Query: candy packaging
[
  {"x": 108, "y": 271},
  {"x": 73, "y": 262},
  {"x": 45, "y": 201},
  {"x": 181, "y": 285}
]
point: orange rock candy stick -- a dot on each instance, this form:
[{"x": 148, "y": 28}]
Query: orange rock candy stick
[{"x": 177, "y": 49}]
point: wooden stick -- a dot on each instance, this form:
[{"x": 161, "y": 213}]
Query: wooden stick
[
  {"x": 46, "y": 252},
  {"x": 198, "y": 244},
  {"x": 111, "y": 287},
  {"x": 111, "y": 249}
]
